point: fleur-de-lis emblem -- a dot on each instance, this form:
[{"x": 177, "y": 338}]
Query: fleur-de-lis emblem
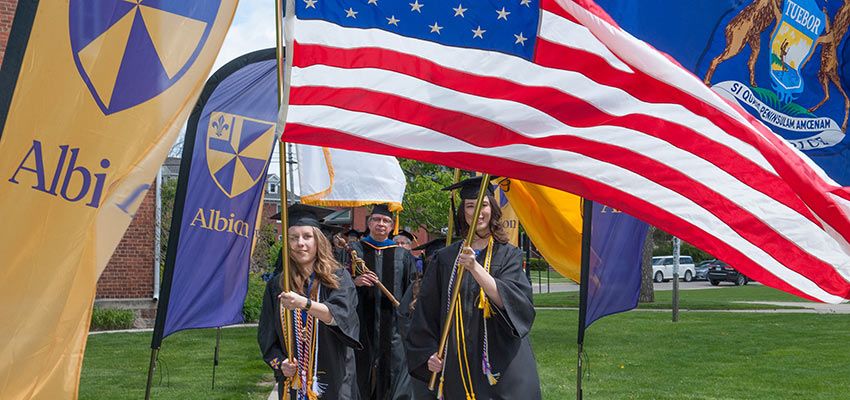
[{"x": 221, "y": 126}]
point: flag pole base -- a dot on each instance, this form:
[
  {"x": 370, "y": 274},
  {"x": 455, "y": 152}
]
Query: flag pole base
[{"x": 151, "y": 368}]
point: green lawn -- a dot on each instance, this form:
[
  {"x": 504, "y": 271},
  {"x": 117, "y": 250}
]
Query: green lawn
[
  {"x": 704, "y": 356},
  {"x": 554, "y": 277},
  {"x": 704, "y": 299},
  {"x": 630, "y": 356},
  {"x": 116, "y": 365}
]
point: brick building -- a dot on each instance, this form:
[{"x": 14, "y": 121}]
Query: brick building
[
  {"x": 128, "y": 280},
  {"x": 7, "y": 13}
]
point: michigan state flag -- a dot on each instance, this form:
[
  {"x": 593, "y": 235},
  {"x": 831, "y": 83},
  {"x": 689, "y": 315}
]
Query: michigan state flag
[
  {"x": 95, "y": 93},
  {"x": 785, "y": 61}
]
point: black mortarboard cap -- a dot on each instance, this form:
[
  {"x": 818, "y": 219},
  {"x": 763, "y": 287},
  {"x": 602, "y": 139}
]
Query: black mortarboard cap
[
  {"x": 432, "y": 246},
  {"x": 382, "y": 209},
  {"x": 407, "y": 234},
  {"x": 468, "y": 188},
  {"x": 304, "y": 215},
  {"x": 330, "y": 230},
  {"x": 353, "y": 232}
]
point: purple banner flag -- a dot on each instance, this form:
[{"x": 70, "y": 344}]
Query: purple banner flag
[
  {"x": 616, "y": 250},
  {"x": 228, "y": 145}
]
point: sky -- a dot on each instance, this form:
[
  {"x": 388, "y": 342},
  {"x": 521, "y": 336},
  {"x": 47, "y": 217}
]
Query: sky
[{"x": 253, "y": 28}]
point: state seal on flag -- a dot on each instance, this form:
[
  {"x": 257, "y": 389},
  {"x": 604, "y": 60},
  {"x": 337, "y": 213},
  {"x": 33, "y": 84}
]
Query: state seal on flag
[
  {"x": 129, "y": 51},
  {"x": 238, "y": 150}
]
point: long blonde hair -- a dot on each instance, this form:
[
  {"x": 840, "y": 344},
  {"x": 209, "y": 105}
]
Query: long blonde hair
[{"x": 325, "y": 266}]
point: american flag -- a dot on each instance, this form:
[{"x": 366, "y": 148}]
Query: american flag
[{"x": 554, "y": 92}]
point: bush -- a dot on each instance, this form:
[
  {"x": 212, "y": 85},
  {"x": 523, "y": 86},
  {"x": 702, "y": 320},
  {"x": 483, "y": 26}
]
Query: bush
[
  {"x": 254, "y": 300},
  {"x": 538, "y": 264},
  {"x": 107, "y": 319}
]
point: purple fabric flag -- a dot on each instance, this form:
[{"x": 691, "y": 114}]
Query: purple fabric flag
[
  {"x": 229, "y": 141},
  {"x": 616, "y": 249}
]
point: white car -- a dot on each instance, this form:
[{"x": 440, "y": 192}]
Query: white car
[{"x": 662, "y": 268}]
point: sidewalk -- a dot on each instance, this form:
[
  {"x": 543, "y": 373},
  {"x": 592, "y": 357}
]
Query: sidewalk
[
  {"x": 814, "y": 308},
  {"x": 809, "y": 308},
  {"x": 573, "y": 287}
]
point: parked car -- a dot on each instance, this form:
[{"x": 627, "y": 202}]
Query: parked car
[
  {"x": 719, "y": 271},
  {"x": 701, "y": 270},
  {"x": 662, "y": 268}
]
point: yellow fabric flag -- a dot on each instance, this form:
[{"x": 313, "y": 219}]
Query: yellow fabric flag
[
  {"x": 552, "y": 219},
  {"x": 102, "y": 90},
  {"x": 509, "y": 219}
]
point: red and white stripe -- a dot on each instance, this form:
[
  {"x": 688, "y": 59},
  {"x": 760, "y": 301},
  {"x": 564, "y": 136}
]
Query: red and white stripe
[{"x": 598, "y": 113}]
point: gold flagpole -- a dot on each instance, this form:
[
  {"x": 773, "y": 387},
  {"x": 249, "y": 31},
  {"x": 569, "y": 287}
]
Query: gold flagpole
[
  {"x": 284, "y": 203},
  {"x": 451, "y": 215},
  {"x": 482, "y": 191}
]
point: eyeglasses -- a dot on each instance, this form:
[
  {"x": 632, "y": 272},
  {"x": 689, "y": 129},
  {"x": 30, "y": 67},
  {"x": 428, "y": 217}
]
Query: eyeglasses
[{"x": 385, "y": 220}]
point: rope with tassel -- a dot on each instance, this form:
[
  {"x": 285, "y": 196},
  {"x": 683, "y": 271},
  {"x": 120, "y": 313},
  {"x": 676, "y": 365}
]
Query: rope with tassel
[
  {"x": 460, "y": 336},
  {"x": 487, "y": 311},
  {"x": 452, "y": 278},
  {"x": 306, "y": 344}
]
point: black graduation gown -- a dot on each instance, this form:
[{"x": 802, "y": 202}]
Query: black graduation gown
[
  {"x": 336, "y": 366},
  {"x": 381, "y": 365},
  {"x": 404, "y": 313},
  {"x": 509, "y": 348}
]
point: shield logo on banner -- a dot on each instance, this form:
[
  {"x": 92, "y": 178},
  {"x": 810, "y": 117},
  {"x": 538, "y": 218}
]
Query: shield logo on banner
[
  {"x": 238, "y": 150},
  {"x": 129, "y": 51},
  {"x": 792, "y": 43}
]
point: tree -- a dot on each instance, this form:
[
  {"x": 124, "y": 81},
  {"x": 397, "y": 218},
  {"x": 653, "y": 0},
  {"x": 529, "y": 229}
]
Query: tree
[
  {"x": 425, "y": 204},
  {"x": 266, "y": 248},
  {"x": 168, "y": 192},
  {"x": 664, "y": 247},
  {"x": 647, "y": 291}
]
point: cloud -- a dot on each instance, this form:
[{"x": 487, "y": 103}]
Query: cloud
[{"x": 253, "y": 28}]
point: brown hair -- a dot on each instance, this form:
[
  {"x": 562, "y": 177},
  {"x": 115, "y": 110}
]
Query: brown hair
[
  {"x": 496, "y": 228},
  {"x": 325, "y": 266}
]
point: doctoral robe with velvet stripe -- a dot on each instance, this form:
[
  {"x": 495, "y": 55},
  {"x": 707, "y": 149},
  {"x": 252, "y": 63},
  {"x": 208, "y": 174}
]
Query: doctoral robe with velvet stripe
[{"x": 381, "y": 365}]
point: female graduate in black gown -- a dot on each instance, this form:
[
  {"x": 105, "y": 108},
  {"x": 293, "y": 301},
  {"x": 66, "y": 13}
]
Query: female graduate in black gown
[
  {"x": 323, "y": 301},
  {"x": 492, "y": 321}
]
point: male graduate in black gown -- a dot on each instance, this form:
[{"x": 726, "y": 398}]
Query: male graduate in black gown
[
  {"x": 331, "y": 328},
  {"x": 381, "y": 365},
  {"x": 494, "y": 316},
  {"x": 408, "y": 304}
]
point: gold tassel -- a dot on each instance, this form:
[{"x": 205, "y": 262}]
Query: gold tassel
[
  {"x": 295, "y": 383},
  {"x": 440, "y": 389},
  {"x": 395, "y": 230},
  {"x": 492, "y": 379},
  {"x": 484, "y": 304}
]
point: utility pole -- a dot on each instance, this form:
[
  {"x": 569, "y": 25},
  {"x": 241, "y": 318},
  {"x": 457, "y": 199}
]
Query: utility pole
[
  {"x": 291, "y": 162},
  {"x": 676, "y": 249}
]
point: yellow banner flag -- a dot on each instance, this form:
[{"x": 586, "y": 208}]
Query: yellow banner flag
[
  {"x": 509, "y": 219},
  {"x": 102, "y": 89},
  {"x": 552, "y": 219}
]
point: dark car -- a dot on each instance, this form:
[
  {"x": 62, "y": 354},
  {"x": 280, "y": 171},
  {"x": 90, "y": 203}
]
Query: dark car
[
  {"x": 719, "y": 271},
  {"x": 701, "y": 270}
]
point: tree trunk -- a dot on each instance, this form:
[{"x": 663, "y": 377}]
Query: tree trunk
[{"x": 647, "y": 292}]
